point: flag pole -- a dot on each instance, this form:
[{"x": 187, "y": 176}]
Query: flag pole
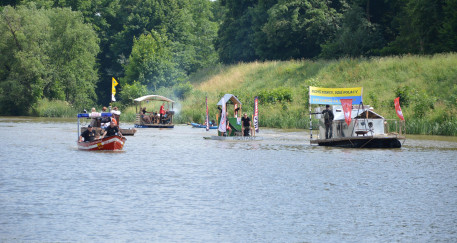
[{"x": 310, "y": 118}]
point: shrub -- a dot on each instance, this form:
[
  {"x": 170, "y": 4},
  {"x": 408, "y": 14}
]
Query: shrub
[
  {"x": 281, "y": 94},
  {"x": 53, "y": 108},
  {"x": 181, "y": 90}
]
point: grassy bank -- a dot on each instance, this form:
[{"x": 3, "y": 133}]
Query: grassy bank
[
  {"x": 427, "y": 86},
  {"x": 53, "y": 108}
]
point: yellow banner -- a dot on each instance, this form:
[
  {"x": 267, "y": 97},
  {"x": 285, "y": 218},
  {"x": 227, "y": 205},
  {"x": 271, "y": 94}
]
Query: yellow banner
[
  {"x": 115, "y": 83},
  {"x": 335, "y": 92},
  {"x": 332, "y": 96}
]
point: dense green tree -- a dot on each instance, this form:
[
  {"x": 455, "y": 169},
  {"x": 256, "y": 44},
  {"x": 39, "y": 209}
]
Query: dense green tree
[
  {"x": 357, "y": 36},
  {"x": 188, "y": 24},
  {"x": 296, "y": 28},
  {"x": 45, "y": 54},
  {"x": 448, "y": 31},
  {"x": 419, "y": 25},
  {"x": 272, "y": 29},
  {"x": 235, "y": 35},
  {"x": 184, "y": 45},
  {"x": 151, "y": 63},
  {"x": 105, "y": 16},
  {"x": 132, "y": 91}
]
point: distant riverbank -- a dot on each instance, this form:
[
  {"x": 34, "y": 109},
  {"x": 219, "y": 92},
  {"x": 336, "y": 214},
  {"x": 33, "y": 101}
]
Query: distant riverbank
[{"x": 427, "y": 86}]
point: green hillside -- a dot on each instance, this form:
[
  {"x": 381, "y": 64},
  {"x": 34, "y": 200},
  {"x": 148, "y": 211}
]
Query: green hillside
[{"x": 427, "y": 86}]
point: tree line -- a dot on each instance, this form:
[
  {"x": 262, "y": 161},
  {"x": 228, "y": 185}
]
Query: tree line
[
  {"x": 295, "y": 29},
  {"x": 69, "y": 49}
]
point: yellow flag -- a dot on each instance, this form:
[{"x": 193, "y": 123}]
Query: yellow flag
[{"x": 113, "y": 90}]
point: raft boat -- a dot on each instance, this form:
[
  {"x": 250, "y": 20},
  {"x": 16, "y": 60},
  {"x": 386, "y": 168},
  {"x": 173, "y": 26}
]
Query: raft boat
[
  {"x": 153, "y": 119},
  {"x": 234, "y": 122},
  {"x": 367, "y": 129}
]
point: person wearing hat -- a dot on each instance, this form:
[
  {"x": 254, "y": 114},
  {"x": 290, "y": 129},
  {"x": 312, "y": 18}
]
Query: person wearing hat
[
  {"x": 88, "y": 135},
  {"x": 112, "y": 129},
  {"x": 328, "y": 120}
]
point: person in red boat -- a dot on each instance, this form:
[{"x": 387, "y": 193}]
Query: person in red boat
[
  {"x": 112, "y": 130},
  {"x": 88, "y": 135}
]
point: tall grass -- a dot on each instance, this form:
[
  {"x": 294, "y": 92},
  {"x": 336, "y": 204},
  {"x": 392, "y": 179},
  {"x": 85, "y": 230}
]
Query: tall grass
[
  {"x": 429, "y": 83},
  {"x": 53, "y": 108}
]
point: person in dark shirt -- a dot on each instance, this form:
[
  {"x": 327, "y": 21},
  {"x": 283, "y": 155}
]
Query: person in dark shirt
[
  {"x": 88, "y": 135},
  {"x": 328, "y": 120},
  {"x": 246, "y": 125},
  {"x": 112, "y": 130}
]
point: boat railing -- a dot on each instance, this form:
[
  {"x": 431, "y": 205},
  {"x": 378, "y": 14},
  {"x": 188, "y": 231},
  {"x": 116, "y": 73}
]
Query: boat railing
[
  {"x": 391, "y": 126},
  {"x": 394, "y": 126}
]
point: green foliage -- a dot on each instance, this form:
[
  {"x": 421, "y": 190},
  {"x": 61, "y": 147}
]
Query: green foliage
[
  {"x": 182, "y": 90},
  {"x": 423, "y": 104},
  {"x": 420, "y": 21},
  {"x": 357, "y": 36},
  {"x": 151, "y": 63},
  {"x": 404, "y": 93},
  {"x": 132, "y": 91},
  {"x": 295, "y": 29},
  {"x": 449, "y": 27},
  {"x": 53, "y": 108},
  {"x": 373, "y": 99},
  {"x": 45, "y": 54},
  {"x": 281, "y": 30},
  {"x": 424, "y": 83},
  {"x": 281, "y": 94}
]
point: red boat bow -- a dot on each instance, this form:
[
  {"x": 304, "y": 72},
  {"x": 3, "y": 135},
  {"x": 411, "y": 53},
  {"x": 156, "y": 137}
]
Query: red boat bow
[{"x": 108, "y": 143}]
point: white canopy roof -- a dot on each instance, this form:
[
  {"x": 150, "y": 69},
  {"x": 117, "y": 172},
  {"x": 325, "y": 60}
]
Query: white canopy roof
[
  {"x": 228, "y": 97},
  {"x": 356, "y": 113},
  {"x": 153, "y": 97}
]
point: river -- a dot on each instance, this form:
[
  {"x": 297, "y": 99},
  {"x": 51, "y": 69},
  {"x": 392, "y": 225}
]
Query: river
[{"x": 171, "y": 185}]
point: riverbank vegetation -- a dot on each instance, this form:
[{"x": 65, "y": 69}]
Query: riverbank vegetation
[
  {"x": 60, "y": 56},
  {"x": 426, "y": 86}
]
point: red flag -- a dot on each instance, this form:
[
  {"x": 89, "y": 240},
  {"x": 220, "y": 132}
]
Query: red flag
[
  {"x": 398, "y": 108},
  {"x": 347, "y": 109}
]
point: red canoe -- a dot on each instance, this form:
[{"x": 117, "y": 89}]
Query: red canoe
[{"x": 108, "y": 143}]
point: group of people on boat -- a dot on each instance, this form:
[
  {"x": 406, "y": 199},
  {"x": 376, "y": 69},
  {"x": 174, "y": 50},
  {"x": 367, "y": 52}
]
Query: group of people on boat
[
  {"x": 103, "y": 122},
  {"x": 90, "y": 134},
  {"x": 161, "y": 117},
  {"x": 110, "y": 125},
  {"x": 246, "y": 128}
]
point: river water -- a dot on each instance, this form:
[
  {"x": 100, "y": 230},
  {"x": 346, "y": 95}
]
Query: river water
[{"x": 172, "y": 185}]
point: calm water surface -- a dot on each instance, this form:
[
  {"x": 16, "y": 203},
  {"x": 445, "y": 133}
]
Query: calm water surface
[{"x": 174, "y": 186}]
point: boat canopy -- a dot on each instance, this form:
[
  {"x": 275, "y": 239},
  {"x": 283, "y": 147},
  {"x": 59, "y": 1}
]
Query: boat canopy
[
  {"x": 371, "y": 115},
  {"x": 357, "y": 114},
  {"x": 104, "y": 114},
  {"x": 228, "y": 97},
  {"x": 153, "y": 97}
]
